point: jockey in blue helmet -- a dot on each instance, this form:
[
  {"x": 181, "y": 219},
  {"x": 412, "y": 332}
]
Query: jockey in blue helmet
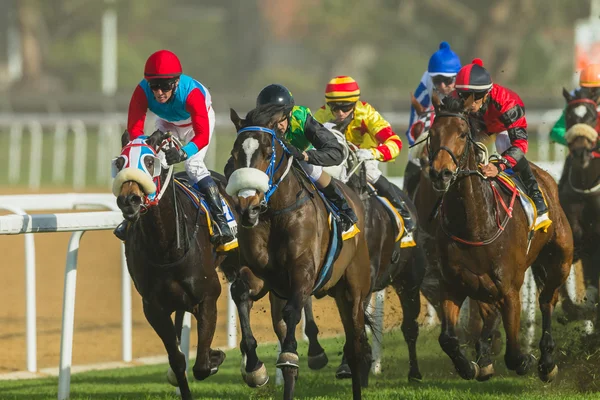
[{"x": 441, "y": 72}]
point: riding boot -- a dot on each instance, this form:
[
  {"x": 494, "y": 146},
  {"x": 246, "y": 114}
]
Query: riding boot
[
  {"x": 336, "y": 196},
  {"x": 412, "y": 174},
  {"x": 121, "y": 230},
  {"x": 387, "y": 190},
  {"x": 210, "y": 191},
  {"x": 533, "y": 190}
]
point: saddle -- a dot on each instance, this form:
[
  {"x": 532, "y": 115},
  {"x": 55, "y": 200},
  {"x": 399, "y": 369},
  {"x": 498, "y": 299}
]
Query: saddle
[
  {"x": 182, "y": 181},
  {"x": 402, "y": 236}
]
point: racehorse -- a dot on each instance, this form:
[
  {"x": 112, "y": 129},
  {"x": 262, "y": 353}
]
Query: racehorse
[
  {"x": 579, "y": 192},
  {"x": 485, "y": 250},
  {"x": 169, "y": 254},
  {"x": 284, "y": 238},
  {"x": 403, "y": 269}
]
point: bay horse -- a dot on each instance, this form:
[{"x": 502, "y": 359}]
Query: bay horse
[
  {"x": 484, "y": 248},
  {"x": 169, "y": 254},
  {"x": 284, "y": 237},
  {"x": 579, "y": 193},
  {"x": 391, "y": 265}
]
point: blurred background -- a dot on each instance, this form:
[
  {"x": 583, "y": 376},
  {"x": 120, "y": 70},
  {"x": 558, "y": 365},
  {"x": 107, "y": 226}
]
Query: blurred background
[{"x": 68, "y": 67}]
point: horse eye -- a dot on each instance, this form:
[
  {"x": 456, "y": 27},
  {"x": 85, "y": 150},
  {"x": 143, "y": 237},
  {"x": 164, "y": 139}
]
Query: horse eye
[{"x": 149, "y": 162}]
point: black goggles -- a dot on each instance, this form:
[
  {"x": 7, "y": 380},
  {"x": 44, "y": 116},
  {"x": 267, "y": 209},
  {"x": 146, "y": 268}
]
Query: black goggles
[
  {"x": 343, "y": 107},
  {"x": 162, "y": 84},
  {"x": 476, "y": 95},
  {"x": 446, "y": 80}
]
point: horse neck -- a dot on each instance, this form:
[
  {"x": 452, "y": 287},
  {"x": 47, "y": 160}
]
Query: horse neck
[
  {"x": 285, "y": 194},
  {"x": 585, "y": 177},
  {"x": 468, "y": 206}
]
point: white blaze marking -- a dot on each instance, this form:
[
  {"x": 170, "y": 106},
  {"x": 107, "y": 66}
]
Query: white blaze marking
[
  {"x": 247, "y": 193},
  {"x": 250, "y": 145},
  {"x": 580, "y": 111}
]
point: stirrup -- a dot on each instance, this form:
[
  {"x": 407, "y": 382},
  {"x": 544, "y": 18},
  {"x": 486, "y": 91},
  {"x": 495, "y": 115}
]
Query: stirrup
[
  {"x": 407, "y": 240},
  {"x": 542, "y": 222}
]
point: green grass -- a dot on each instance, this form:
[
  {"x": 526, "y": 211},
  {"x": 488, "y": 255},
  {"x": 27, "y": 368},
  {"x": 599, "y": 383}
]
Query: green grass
[{"x": 440, "y": 381}]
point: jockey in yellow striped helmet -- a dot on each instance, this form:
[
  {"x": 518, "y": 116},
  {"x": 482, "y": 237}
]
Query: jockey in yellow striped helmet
[{"x": 366, "y": 128}]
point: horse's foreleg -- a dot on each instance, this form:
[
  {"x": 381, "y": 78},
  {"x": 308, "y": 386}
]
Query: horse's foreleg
[
  {"x": 179, "y": 324},
  {"x": 253, "y": 370},
  {"x": 410, "y": 300},
  {"x": 317, "y": 358},
  {"x": 511, "y": 315},
  {"x": 450, "y": 309},
  {"x": 161, "y": 321},
  {"x": 207, "y": 360},
  {"x": 491, "y": 319}
]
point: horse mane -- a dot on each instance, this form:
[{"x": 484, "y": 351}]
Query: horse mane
[
  {"x": 264, "y": 115},
  {"x": 452, "y": 104}
]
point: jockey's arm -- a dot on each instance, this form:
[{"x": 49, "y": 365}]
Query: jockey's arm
[
  {"x": 559, "y": 130},
  {"x": 196, "y": 105},
  {"x": 328, "y": 151},
  {"x": 424, "y": 98},
  {"x": 513, "y": 118},
  {"x": 138, "y": 106},
  {"x": 389, "y": 142}
]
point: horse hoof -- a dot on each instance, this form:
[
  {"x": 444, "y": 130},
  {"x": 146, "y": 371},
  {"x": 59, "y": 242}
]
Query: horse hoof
[
  {"x": 288, "y": 359},
  {"x": 476, "y": 370},
  {"x": 485, "y": 373},
  {"x": 216, "y": 358},
  {"x": 317, "y": 362},
  {"x": 415, "y": 377},
  {"x": 257, "y": 378},
  {"x": 343, "y": 372},
  {"x": 549, "y": 377},
  {"x": 523, "y": 369},
  {"x": 171, "y": 378}
]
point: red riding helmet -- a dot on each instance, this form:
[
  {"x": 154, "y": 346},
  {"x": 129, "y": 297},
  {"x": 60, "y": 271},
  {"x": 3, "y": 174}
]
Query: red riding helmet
[
  {"x": 162, "y": 65},
  {"x": 473, "y": 78}
]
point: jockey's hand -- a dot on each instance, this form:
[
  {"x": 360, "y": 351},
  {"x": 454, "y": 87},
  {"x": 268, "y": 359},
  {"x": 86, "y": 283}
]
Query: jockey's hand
[
  {"x": 364, "y": 155},
  {"x": 489, "y": 170},
  {"x": 294, "y": 152},
  {"x": 174, "y": 155}
]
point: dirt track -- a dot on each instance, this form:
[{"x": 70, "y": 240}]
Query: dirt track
[{"x": 97, "y": 336}]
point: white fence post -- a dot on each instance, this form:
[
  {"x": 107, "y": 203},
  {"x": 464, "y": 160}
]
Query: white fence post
[
  {"x": 378, "y": 332},
  {"x": 126, "y": 318},
  {"x": 14, "y": 154},
  {"x": 231, "y": 320},
  {"x": 79, "y": 154},
  {"x": 35, "y": 156},
  {"x": 59, "y": 160}
]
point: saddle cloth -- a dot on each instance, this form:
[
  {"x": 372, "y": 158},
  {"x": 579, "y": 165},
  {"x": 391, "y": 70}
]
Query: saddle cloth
[
  {"x": 199, "y": 201},
  {"x": 510, "y": 183},
  {"x": 406, "y": 239}
]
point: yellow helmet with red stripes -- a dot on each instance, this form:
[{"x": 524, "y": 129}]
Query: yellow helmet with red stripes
[{"x": 342, "y": 89}]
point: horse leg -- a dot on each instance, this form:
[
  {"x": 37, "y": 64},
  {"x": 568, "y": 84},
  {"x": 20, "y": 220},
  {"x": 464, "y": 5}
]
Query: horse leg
[
  {"x": 179, "y": 324},
  {"x": 207, "y": 360},
  {"x": 490, "y": 317},
  {"x": 317, "y": 358},
  {"x": 161, "y": 322},
  {"x": 448, "y": 339},
  {"x": 253, "y": 370},
  {"x": 511, "y": 315},
  {"x": 343, "y": 371},
  {"x": 410, "y": 300}
]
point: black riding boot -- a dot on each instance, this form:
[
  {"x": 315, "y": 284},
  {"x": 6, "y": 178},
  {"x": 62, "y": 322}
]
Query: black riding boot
[
  {"x": 412, "y": 174},
  {"x": 211, "y": 194},
  {"x": 121, "y": 230},
  {"x": 336, "y": 196},
  {"x": 387, "y": 190},
  {"x": 533, "y": 190}
]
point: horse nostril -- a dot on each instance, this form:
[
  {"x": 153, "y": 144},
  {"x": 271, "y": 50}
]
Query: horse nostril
[
  {"x": 433, "y": 174},
  {"x": 446, "y": 174},
  {"x": 134, "y": 200}
]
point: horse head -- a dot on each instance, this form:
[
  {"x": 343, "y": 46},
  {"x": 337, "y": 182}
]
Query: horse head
[
  {"x": 258, "y": 153},
  {"x": 448, "y": 139},
  {"x": 581, "y": 117},
  {"x": 136, "y": 172}
]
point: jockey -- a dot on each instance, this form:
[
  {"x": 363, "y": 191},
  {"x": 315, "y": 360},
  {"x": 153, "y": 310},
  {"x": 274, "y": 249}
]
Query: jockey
[
  {"x": 502, "y": 112},
  {"x": 440, "y": 77},
  {"x": 309, "y": 142},
  {"x": 589, "y": 78},
  {"x": 363, "y": 126},
  {"x": 183, "y": 107}
]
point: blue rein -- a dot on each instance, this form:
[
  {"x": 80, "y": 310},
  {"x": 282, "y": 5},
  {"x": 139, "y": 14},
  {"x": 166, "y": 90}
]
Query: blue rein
[{"x": 271, "y": 169}]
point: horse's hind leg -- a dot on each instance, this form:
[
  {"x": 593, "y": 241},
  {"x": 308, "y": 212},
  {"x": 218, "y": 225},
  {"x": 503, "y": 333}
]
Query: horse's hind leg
[
  {"x": 511, "y": 315},
  {"x": 207, "y": 360},
  {"x": 317, "y": 358},
  {"x": 491, "y": 319},
  {"x": 253, "y": 370},
  {"x": 162, "y": 323}
]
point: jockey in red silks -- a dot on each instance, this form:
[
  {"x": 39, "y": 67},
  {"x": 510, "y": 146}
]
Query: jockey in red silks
[
  {"x": 502, "y": 112},
  {"x": 183, "y": 107}
]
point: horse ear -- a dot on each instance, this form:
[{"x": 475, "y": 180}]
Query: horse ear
[
  {"x": 235, "y": 118},
  {"x": 124, "y": 138},
  {"x": 467, "y": 103},
  {"x": 416, "y": 105},
  {"x": 568, "y": 97}
]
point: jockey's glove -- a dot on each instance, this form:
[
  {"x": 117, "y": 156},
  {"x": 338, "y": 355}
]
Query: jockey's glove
[
  {"x": 364, "y": 155},
  {"x": 174, "y": 155},
  {"x": 294, "y": 152}
]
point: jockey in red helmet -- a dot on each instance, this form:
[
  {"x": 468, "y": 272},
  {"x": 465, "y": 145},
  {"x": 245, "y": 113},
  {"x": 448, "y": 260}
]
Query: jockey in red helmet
[
  {"x": 502, "y": 112},
  {"x": 184, "y": 107}
]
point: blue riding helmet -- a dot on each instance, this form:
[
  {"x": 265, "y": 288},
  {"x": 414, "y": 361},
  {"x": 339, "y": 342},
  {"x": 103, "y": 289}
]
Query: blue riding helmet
[{"x": 444, "y": 61}]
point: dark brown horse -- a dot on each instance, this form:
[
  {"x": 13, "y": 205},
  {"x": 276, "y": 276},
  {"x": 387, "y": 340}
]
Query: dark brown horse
[
  {"x": 169, "y": 255},
  {"x": 401, "y": 268},
  {"x": 579, "y": 192},
  {"x": 484, "y": 249},
  {"x": 284, "y": 237}
]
